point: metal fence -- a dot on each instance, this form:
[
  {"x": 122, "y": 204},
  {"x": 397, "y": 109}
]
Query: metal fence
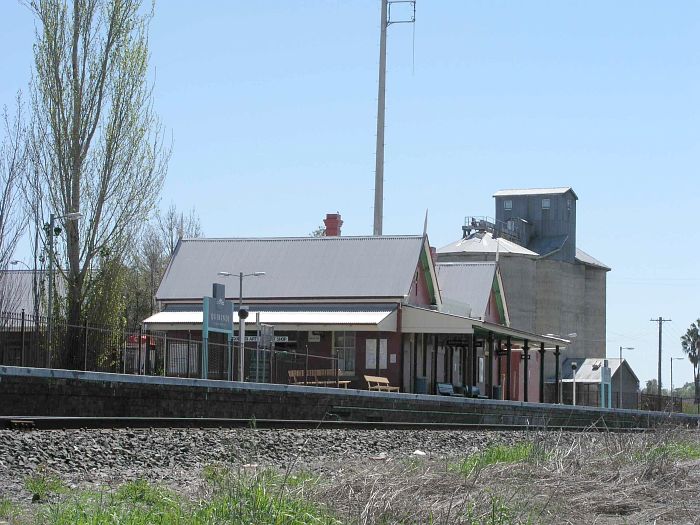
[{"x": 24, "y": 341}]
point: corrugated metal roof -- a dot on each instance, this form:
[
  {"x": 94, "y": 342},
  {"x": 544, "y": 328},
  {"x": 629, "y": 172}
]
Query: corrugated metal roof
[
  {"x": 466, "y": 284},
  {"x": 479, "y": 242},
  {"x": 534, "y": 191},
  {"x": 303, "y": 267},
  {"x": 17, "y": 289},
  {"x": 584, "y": 258},
  {"x": 588, "y": 370}
]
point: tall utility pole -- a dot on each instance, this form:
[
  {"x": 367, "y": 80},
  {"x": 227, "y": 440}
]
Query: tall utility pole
[
  {"x": 661, "y": 322},
  {"x": 381, "y": 110},
  {"x": 386, "y": 21}
]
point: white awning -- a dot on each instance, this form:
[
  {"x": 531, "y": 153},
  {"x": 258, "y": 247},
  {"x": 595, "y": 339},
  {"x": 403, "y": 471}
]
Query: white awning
[
  {"x": 370, "y": 321},
  {"x": 424, "y": 321}
]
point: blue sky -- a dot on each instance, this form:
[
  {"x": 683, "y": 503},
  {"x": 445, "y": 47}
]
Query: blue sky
[{"x": 272, "y": 109}]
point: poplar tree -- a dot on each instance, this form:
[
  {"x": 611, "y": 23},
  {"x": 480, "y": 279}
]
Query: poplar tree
[{"x": 97, "y": 144}]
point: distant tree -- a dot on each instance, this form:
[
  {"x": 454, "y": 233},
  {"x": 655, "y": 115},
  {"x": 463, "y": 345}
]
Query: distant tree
[
  {"x": 13, "y": 161},
  {"x": 96, "y": 142},
  {"x": 174, "y": 225},
  {"x": 652, "y": 388},
  {"x": 319, "y": 232},
  {"x": 150, "y": 256},
  {"x": 690, "y": 343},
  {"x": 687, "y": 391}
]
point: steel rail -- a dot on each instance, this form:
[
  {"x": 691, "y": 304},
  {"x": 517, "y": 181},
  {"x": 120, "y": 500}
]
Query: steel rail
[{"x": 60, "y": 423}]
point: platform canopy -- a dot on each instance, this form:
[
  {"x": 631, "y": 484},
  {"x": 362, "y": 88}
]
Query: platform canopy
[{"x": 290, "y": 319}]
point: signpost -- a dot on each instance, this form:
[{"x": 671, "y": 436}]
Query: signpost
[
  {"x": 218, "y": 317},
  {"x": 606, "y": 386}
]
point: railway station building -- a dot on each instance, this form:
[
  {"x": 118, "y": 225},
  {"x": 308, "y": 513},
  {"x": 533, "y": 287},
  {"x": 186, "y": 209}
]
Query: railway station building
[{"x": 377, "y": 306}]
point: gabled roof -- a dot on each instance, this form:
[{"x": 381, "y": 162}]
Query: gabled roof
[
  {"x": 295, "y": 268},
  {"x": 17, "y": 288},
  {"x": 483, "y": 242},
  {"x": 535, "y": 191},
  {"x": 466, "y": 287},
  {"x": 588, "y": 370}
]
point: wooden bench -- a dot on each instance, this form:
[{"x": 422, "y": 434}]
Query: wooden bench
[
  {"x": 380, "y": 384},
  {"x": 317, "y": 377}
]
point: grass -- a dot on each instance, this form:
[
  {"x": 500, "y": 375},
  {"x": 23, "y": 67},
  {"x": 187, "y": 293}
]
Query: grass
[
  {"x": 234, "y": 497},
  {"x": 42, "y": 484},
  {"x": 500, "y": 514},
  {"x": 674, "y": 451},
  {"x": 8, "y": 509},
  {"x": 548, "y": 478},
  {"x": 496, "y": 454}
]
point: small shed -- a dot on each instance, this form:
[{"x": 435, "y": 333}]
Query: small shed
[{"x": 625, "y": 383}]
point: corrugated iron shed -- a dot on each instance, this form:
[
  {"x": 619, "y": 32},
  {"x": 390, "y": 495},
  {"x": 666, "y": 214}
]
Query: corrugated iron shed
[{"x": 588, "y": 370}]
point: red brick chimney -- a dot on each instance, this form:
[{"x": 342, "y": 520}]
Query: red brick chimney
[{"x": 333, "y": 222}]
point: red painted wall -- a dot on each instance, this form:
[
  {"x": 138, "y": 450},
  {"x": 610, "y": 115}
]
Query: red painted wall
[
  {"x": 419, "y": 294},
  {"x": 492, "y": 314}
]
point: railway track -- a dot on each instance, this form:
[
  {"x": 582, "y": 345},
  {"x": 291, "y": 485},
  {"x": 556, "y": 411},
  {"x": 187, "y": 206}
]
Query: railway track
[{"x": 20, "y": 423}]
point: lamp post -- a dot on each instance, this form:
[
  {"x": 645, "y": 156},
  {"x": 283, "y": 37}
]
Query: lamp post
[
  {"x": 619, "y": 377},
  {"x": 241, "y": 320},
  {"x": 573, "y": 369},
  {"x": 73, "y": 216},
  {"x": 672, "y": 360}
]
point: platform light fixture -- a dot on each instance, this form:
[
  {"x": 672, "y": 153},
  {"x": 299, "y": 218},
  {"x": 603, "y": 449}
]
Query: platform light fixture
[
  {"x": 16, "y": 262},
  {"x": 241, "y": 316}
]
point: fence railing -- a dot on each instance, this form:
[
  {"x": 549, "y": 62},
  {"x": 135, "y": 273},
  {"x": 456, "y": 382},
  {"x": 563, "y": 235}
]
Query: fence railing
[{"x": 24, "y": 341}]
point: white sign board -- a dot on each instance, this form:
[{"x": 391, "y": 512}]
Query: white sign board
[
  {"x": 255, "y": 339},
  {"x": 371, "y": 354}
]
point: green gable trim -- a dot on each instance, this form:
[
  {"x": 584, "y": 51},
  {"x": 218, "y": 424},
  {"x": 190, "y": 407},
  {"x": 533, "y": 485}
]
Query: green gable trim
[
  {"x": 499, "y": 300},
  {"x": 425, "y": 265}
]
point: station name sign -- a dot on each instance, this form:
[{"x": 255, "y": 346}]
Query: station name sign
[{"x": 255, "y": 339}]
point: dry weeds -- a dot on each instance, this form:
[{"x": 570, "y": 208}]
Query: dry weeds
[{"x": 593, "y": 477}]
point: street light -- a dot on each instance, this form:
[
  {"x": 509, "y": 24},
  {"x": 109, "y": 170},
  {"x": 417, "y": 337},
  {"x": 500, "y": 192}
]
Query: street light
[
  {"x": 672, "y": 360},
  {"x": 241, "y": 319},
  {"x": 15, "y": 263},
  {"x": 73, "y": 216},
  {"x": 573, "y": 369},
  {"x": 619, "y": 377}
]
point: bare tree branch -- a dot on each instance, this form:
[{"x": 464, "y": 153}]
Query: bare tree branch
[{"x": 13, "y": 163}]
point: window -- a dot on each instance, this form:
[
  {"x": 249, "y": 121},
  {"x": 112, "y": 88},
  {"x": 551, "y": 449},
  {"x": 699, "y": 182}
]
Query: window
[
  {"x": 344, "y": 350},
  {"x": 546, "y": 203},
  {"x": 508, "y": 205},
  {"x": 569, "y": 204}
]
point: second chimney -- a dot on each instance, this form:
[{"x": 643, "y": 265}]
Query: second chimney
[{"x": 333, "y": 222}]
